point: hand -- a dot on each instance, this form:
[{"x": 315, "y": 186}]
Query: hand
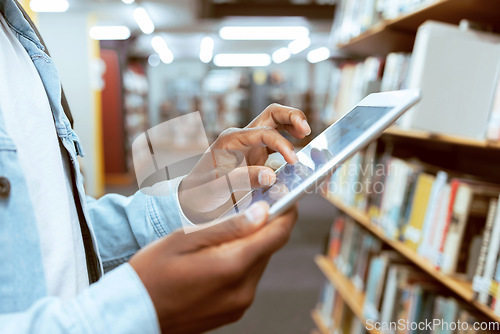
[
  {"x": 237, "y": 159},
  {"x": 202, "y": 280}
]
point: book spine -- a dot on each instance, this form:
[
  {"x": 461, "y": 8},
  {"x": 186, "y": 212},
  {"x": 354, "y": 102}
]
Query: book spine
[
  {"x": 453, "y": 193},
  {"x": 489, "y": 266},
  {"x": 484, "y": 246}
]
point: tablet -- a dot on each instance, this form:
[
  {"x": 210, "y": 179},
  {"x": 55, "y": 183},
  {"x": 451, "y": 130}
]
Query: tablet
[{"x": 325, "y": 153}]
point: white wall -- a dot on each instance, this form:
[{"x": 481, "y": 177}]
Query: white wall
[{"x": 70, "y": 47}]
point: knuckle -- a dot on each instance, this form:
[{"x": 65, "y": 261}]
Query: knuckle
[
  {"x": 236, "y": 227},
  {"x": 267, "y": 128},
  {"x": 228, "y": 132},
  {"x": 231, "y": 270},
  {"x": 274, "y": 105},
  {"x": 245, "y": 298}
]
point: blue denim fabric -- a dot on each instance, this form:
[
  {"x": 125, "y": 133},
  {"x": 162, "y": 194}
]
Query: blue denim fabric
[{"x": 119, "y": 226}]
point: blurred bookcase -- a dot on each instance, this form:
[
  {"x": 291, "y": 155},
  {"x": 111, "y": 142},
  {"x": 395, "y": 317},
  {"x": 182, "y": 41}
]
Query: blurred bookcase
[{"x": 460, "y": 157}]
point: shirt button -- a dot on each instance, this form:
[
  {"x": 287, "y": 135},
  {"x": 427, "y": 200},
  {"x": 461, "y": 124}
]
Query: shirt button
[{"x": 4, "y": 187}]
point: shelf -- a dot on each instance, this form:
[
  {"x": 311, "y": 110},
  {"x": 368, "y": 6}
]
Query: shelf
[
  {"x": 351, "y": 296},
  {"x": 320, "y": 325},
  {"x": 441, "y": 138},
  {"x": 399, "y": 34},
  {"x": 459, "y": 287}
]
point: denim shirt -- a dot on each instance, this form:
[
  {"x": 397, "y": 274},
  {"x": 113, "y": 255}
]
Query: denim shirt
[{"x": 119, "y": 226}]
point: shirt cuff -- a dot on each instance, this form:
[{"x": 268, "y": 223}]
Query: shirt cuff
[
  {"x": 164, "y": 209},
  {"x": 118, "y": 303}
]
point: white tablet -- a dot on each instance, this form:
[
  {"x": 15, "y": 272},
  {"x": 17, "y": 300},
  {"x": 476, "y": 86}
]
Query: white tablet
[{"x": 364, "y": 123}]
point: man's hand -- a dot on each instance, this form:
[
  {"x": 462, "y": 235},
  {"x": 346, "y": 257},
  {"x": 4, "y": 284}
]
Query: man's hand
[
  {"x": 237, "y": 158},
  {"x": 202, "y": 280}
]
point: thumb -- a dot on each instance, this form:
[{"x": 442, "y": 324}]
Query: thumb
[{"x": 235, "y": 227}]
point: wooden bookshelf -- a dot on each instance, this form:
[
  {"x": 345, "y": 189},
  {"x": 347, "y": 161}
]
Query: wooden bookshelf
[
  {"x": 440, "y": 138},
  {"x": 459, "y": 287},
  {"x": 399, "y": 34},
  {"x": 320, "y": 325},
  {"x": 351, "y": 296}
]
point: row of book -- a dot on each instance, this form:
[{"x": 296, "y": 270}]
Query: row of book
[
  {"x": 397, "y": 294},
  {"x": 353, "y": 80},
  {"x": 353, "y": 17},
  {"x": 446, "y": 63},
  {"x": 451, "y": 221},
  {"x": 334, "y": 313}
]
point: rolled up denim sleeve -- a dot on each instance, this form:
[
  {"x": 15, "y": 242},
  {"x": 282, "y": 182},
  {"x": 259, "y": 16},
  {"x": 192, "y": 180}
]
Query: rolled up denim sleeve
[
  {"x": 117, "y": 304},
  {"x": 123, "y": 225}
]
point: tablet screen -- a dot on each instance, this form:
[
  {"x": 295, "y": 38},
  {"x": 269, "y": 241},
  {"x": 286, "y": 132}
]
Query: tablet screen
[{"x": 318, "y": 155}]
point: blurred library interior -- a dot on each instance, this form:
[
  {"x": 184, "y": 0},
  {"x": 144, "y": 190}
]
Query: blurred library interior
[{"x": 408, "y": 231}]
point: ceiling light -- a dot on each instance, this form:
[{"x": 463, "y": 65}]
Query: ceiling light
[
  {"x": 54, "y": 6},
  {"x": 206, "y": 49},
  {"x": 154, "y": 60},
  {"x": 109, "y": 32},
  {"x": 161, "y": 47},
  {"x": 281, "y": 55},
  {"x": 128, "y": 2},
  {"x": 143, "y": 20},
  {"x": 317, "y": 55},
  {"x": 299, "y": 45},
  {"x": 242, "y": 59},
  {"x": 263, "y": 33}
]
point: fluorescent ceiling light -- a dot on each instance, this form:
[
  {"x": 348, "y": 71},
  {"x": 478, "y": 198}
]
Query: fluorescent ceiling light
[
  {"x": 109, "y": 32},
  {"x": 161, "y": 47},
  {"x": 242, "y": 59},
  {"x": 263, "y": 33},
  {"x": 206, "y": 49},
  {"x": 143, "y": 20},
  {"x": 128, "y": 2},
  {"x": 317, "y": 55},
  {"x": 299, "y": 45},
  {"x": 54, "y": 6},
  {"x": 281, "y": 55}
]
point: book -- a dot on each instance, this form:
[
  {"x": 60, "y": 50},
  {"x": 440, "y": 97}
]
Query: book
[
  {"x": 376, "y": 282},
  {"x": 470, "y": 203},
  {"x": 392, "y": 202},
  {"x": 435, "y": 238},
  {"x": 395, "y": 71},
  {"x": 370, "y": 247},
  {"x": 342, "y": 260},
  {"x": 325, "y": 303},
  {"x": 431, "y": 215},
  {"x": 413, "y": 229},
  {"x": 493, "y": 250},
  {"x": 484, "y": 247},
  {"x": 336, "y": 233}
]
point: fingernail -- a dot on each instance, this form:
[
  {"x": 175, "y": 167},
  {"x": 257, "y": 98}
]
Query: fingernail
[
  {"x": 306, "y": 125},
  {"x": 294, "y": 157},
  {"x": 266, "y": 178},
  {"x": 256, "y": 213}
]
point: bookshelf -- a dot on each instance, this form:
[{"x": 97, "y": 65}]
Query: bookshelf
[
  {"x": 321, "y": 327},
  {"x": 399, "y": 34},
  {"x": 472, "y": 157},
  {"x": 440, "y": 138},
  {"x": 352, "y": 297},
  {"x": 460, "y": 288}
]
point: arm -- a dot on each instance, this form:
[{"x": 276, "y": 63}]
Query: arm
[
  {"x": 118, "y": 303},
  {"x": 123, "y": 225}
]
